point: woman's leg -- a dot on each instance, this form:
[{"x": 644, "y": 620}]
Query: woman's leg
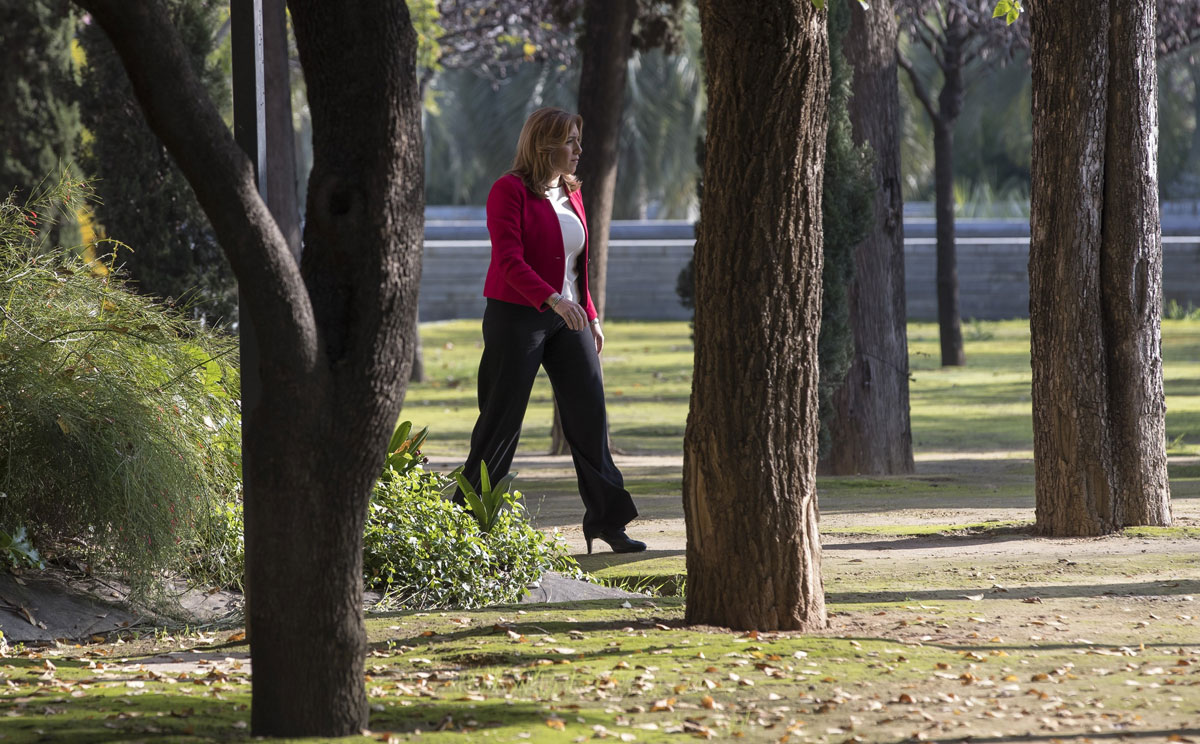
[
  {"x": 513, "y": 340},
  {"x": 574, "y": 370}
]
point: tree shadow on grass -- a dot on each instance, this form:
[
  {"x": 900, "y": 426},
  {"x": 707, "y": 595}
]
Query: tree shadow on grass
[
  {"x": 951, "y": 538},
  {"x": 1022, "y": 593},
  {"x": 551, "y": 627},
  {"x": 96, "y": 718},
  {"x": 597, "y": 561},
  {"x": 1065, "y": 738},
  {"x": 456, "y": 717}
]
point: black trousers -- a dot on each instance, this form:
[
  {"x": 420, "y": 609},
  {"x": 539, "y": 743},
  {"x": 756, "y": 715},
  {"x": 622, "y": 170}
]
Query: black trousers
[{"x": 517, "y": 339}]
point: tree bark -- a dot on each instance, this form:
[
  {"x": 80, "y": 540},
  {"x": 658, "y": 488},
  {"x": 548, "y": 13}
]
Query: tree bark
[
  {"x": 949, "y": 107},
  {"x": 282, "y": 197},
  {"x": 871, "y": 432},
  {"x": 417, "y": 371},
  {"x": 949, "y": 315},
  {"x": 1095, "y": 270},
  {"x": 332, "y": 331},
  {"x": 749, "y": 495},
  {"x": 604, "y": 48}
]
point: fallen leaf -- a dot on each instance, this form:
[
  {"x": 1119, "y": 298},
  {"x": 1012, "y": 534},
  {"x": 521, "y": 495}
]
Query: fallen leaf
[{"x": 667, "y": 704}]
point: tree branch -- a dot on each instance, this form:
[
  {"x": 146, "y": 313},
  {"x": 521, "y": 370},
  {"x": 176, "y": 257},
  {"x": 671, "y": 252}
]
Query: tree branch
[
  {"x": 930, "y": 39},
  {"x": 180, "y": 113},
  {"x": 918, "y": 87}
]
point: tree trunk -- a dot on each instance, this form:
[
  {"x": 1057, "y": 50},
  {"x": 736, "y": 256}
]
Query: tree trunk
[
  {"x": 282, "y": 197},
  {"x": 1095, "y": 270},
  {"x": 949, "y": 106},
  {"x": 949, "y": 316},
  {"x": 332, "y": 332},
  {"x": 871, "y": 432},
  {"x": 417, "y": 371},
  {"x": 604, "y": 48},
  {"x": 749, "y": 493}
]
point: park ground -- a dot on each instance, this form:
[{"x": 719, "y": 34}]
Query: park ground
[{"x": 949, "y": 620}]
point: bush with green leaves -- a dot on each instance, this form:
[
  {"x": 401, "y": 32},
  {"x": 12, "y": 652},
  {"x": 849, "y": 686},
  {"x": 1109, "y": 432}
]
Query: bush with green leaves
[
  {"x": 421, "y": 551},
  {"x": 119, "y": 419},
  {"x": 487, "y": 505},
  {"x": 16, "y": 550}
]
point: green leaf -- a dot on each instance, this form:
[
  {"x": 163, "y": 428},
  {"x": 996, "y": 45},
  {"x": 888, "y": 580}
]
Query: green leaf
[
  {"x": 485, "y": 484},
  {"x": 478, "y": 510},
  {"x": 464, "y": 485},
  {"x": 504, "y": 483},
  {"x": 1010, "y": 10},
  {"x": 399, "y": 435}
]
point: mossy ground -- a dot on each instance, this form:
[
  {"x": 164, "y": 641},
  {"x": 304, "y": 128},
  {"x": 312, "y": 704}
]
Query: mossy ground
[{"x": 949, "y": 619}]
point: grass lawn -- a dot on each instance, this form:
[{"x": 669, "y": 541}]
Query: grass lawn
[
  {"x": 983, "y": 407},
  {"x": 944, "y": 626}
]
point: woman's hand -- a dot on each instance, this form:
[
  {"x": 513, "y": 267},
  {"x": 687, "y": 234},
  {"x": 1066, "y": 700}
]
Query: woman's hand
[
  {"x": 572, "y": 313},
  {"x": 598, "y": 335}
]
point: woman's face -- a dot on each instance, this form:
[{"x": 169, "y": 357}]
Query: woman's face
[{"x": 565, "y": 159}]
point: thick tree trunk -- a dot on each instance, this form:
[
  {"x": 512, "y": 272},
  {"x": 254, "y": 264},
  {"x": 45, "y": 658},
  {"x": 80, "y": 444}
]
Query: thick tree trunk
[
  {"x": 332, "y": 332},
  {"x": 282, "y": 196},
  {"x": 604, "y": 48},
  {"x": 749, "y": 494},
  {"x": 1095, "y": 270},
  {"x": 871, "y": 431},
  {"x": 361, "y": 266}
]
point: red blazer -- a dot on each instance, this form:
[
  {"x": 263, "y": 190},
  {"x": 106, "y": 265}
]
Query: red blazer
[{"x": 527, "y": 247}]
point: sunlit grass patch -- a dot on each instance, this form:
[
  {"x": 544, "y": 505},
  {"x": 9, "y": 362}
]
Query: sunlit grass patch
[{"x": 983, "y": 406}]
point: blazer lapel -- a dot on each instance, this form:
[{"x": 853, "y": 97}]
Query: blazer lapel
[{"x": 576, "y": 199}]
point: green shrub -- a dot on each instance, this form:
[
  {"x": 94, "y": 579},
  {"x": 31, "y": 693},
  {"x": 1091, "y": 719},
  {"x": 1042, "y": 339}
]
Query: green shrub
[
  {"x": 422, "y": 551},
  {"x": 119, "y": 419},
  {"x": 487, "y": 505},
  {"x": 1172, "y": 310},
  {"x": 220, "y": 555},
  {"x": 17, "y": 551}
]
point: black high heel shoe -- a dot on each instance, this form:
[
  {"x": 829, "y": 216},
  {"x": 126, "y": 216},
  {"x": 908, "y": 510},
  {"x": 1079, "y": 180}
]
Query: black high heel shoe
[{"x": 617, "y": 540}]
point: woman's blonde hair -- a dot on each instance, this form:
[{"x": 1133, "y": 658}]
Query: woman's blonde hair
[{"x": 546, "y": 130}]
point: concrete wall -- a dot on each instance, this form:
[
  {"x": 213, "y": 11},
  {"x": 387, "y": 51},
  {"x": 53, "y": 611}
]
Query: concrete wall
[{"x": 645, "y": 259}]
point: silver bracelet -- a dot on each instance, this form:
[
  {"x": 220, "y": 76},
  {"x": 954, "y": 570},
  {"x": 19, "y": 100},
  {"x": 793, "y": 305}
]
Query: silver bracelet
[
  {"x": 594, "y": 321},
  {"x": 553, "y": 302}
]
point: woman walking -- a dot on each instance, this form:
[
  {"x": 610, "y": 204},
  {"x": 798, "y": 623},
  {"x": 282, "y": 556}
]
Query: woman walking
[{"x": 539, "y": 313}]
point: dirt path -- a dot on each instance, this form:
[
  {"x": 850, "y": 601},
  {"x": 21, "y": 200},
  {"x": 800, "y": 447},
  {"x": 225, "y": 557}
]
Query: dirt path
[{"x": 948, "y": 489}]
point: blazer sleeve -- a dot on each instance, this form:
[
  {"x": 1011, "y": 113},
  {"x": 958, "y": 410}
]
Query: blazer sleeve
[{"x": 505, "y": 205}]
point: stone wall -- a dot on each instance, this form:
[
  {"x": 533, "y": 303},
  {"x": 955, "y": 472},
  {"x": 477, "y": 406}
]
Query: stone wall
[{"x": 645, "y": 259}]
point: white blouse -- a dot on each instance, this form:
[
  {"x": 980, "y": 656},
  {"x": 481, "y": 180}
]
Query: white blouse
[{"x": 573, "y": 237}]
